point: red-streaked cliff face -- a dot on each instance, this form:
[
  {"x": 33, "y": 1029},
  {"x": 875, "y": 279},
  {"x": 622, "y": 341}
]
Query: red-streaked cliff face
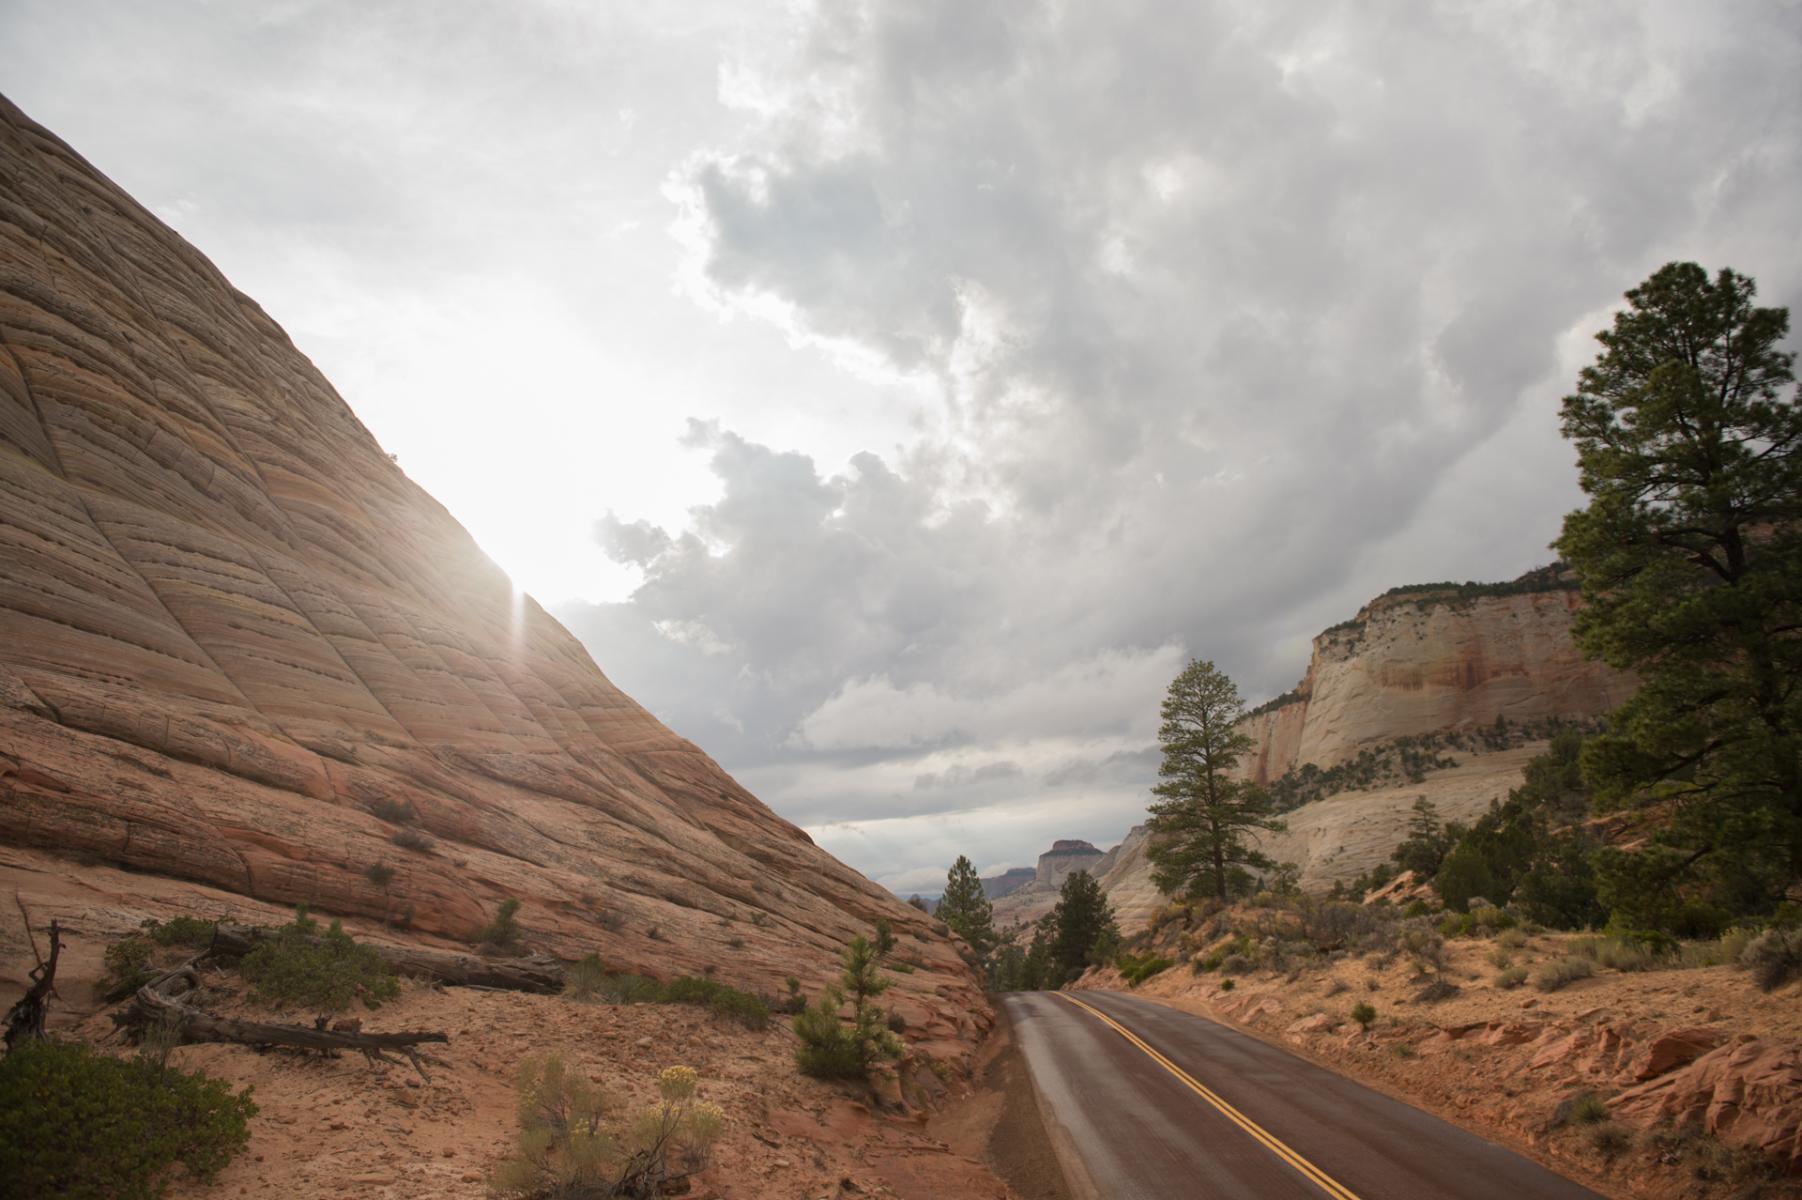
[{"x": 231, "y": 630}]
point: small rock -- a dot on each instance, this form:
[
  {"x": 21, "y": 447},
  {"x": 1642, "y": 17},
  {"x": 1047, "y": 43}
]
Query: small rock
[
  {"x": 643, "y": 1043},
  {"x": 471, "y": 1177},
  {"x": 375, "y": 1178}
]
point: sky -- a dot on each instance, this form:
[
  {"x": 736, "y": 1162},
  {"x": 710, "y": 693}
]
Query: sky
[{"x": 894, "y": 396}]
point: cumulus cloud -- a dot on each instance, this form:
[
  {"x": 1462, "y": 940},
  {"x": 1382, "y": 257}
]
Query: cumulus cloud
[
  {"x": 1236, "y": 316},
  {"x": 1003, "y": 355}
]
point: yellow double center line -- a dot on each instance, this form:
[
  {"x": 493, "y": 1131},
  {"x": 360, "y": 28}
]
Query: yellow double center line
[{"x": 1269, "y": 1141}]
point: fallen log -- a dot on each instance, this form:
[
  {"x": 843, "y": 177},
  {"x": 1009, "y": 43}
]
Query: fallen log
[
  {"x": 162, "y": 1001},
  {"x": 533, "y": 973},
  {"x": 25, "y": 1019}
]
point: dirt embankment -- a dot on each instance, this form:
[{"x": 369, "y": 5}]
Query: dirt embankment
[
  {"x": 1701, "y": 1047},
  {"x": 336, "y": 1127}
]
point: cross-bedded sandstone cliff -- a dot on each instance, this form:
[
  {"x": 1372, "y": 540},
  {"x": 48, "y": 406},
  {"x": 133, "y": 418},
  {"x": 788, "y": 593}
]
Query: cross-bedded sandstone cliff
[
  {"x": 1419, "y": 660},
  {"x": 1424, "y": 659},
  {"x": 232, "y": 632}
]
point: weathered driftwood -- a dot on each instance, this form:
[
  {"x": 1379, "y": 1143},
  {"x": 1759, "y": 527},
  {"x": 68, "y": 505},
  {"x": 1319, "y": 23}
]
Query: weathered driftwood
[
  {"x": 163, "y": 1001},
  {"x": 536, "y": 973},
  {"x": 25, "y": 1019}
]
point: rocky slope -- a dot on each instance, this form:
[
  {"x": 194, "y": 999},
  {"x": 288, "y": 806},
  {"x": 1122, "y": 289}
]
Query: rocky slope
[
  {"x": 1702, "y": 1049},
  {"x": 238, "y": 647},
  {"x": 1423, "y": 659}
]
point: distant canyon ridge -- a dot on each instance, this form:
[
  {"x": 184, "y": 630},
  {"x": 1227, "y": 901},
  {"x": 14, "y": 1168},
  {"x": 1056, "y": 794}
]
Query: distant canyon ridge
[{"x": 1439, "y": 690}]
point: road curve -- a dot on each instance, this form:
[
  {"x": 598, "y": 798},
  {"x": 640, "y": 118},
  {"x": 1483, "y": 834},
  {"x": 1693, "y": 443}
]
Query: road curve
[{"x": 1255, "y": 1123}]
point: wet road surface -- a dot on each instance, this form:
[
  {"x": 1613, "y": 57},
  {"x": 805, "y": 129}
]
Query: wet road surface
[{"x": 1250, "y": 1121}]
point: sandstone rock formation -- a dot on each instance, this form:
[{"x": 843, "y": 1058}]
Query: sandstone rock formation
[
  {"x": 239, "y": 647},
  {"x": 1065, "y": 858},
  {"x": 1033, "y": 898},
  {"x": 1421, "y": 660}
]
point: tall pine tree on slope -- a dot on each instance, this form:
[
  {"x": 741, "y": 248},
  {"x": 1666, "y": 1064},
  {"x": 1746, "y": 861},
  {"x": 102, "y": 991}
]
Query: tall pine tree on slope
[
  {"x": 1198, "y": 832},
  {"x": 966, "y": 909},
  {"x": 1689, "y": 445}
]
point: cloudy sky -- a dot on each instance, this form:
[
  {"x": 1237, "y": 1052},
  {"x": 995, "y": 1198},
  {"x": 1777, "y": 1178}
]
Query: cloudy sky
[{"x": 894, "y": 395}]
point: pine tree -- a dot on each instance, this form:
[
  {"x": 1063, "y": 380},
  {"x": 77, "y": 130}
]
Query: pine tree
[
  {"x": 1198, "y": 830},
  {"x": 828, "y": 1048},
  {"x": 1690, "y": 558},
  {"x": 1081, "y": 924},
  {"x": 966, "y": 909}
]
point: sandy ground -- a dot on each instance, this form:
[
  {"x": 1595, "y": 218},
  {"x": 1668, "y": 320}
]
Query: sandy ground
[
  {"x": 1495, "y": 1090},
  {"x": 338, "y": 1127}
]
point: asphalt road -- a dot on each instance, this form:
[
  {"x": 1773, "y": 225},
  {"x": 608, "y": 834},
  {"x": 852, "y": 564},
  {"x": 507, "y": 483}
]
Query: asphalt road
[{"x": 1276, "y": 1127}]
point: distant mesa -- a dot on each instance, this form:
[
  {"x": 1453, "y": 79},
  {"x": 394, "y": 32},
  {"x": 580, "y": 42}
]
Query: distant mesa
[{"x": 996, "y": 886}]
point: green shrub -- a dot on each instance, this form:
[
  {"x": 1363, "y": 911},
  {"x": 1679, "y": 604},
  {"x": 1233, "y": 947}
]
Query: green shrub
[
  {"x": 1455, "y": 924},
  {"x": 1622, "y": 953},
  {"x": 742, "y": 1007},
  {"x": 395, "y": 812},
  {"x": 1587, "y": 1108},
  {"x": 1490, "y": 919},
  {"x": 1226, "y": 985},
  {"x": 631, "y": 989},
  {"x": 324, "y": 972},
  {"x": 829, "y": 1049},
  {"x": 501, "y": 935},
  {"x": 1363, "y": 1014},
  {"x": 1137, "y": 968},
  {"x": 1511, "y": 978},
  {"x": 1511, "y": 939},
  {"x": 127, "y": 967},
  {"x": 411, "y": 839},
  {"x": 1609, "y": 1139},
  {"x": 1774, "y": 957},
  {"x": 1210, "y": 962},
  {"x": 81, "y": 1125},
  {"x": 380, "y": 874},
  {"x": 182, "y": 931},
  {"x": 1562, "y": 972},
  {"x": 589, "y": 979},
  {"x": 585, "y": 978},
  {"x": 832, "y": 1049},
  {"x": 1500, "y": 959}
]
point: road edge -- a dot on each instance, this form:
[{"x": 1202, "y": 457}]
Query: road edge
[{"x": 1078, "y": 1183}]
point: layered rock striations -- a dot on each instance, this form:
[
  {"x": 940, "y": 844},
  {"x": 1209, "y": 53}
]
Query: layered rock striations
[
  {"x": 238, "y": 646},
  {"x": 1421, "y": 660},
  {"x": 1425, "y": 659}
]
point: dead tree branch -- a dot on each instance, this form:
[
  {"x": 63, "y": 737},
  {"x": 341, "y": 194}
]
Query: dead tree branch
[
  {"x": 164, "y": 1000},
  {"x": 25, "y": 1019}
]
